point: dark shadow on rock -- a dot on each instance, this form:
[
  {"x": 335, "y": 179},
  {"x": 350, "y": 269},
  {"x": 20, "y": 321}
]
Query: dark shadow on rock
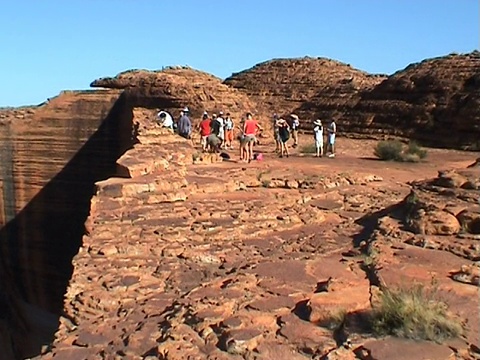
[
  {"x": 370, "y": 222},
  {"x": 370, "y": 158},
  {"x": 301, "y": 310},
  {"x": 38, "y": 245}
]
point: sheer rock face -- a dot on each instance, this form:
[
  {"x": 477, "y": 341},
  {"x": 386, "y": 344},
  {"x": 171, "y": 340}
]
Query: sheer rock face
[
  {"x": 51, "y": 156},
  {"x": 310, "y": 87},
  {"x": 176, "y": 87},
  {"x": 435, "y": 101}
]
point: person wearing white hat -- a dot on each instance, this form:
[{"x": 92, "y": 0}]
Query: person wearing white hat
[
  {"x": 164, "y": 119},
  {"x": 318, "y": 137},
  {"x": 184, "y": 124},
  {"x": 284, "y": 135}
]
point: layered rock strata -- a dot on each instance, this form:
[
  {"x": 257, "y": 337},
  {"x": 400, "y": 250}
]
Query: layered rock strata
[
  {"x": 309, "y": 87},
  {"x": 173, "y": 88},
  {"x": 75, "y": 140},
  {"x": 435, "y": 101}
]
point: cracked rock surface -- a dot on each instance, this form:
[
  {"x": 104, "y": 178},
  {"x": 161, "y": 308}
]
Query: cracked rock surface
[{"x": 225, "y": 260}]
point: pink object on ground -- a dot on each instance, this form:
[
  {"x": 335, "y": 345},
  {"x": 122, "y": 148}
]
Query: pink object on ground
[{"x": 259, "y": 157}]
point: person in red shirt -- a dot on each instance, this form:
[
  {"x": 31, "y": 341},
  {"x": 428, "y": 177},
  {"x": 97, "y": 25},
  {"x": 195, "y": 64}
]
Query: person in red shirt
[
  {"x": 249, "y": 131},
  {"x": 205, "y": 130}
]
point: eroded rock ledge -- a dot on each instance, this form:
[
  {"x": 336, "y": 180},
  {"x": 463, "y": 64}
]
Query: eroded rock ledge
[{"x": 224, "y": 262}]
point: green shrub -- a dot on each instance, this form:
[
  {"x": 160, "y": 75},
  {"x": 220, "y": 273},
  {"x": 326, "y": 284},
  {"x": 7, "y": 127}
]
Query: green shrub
[
  {"x": 411, "y": 158},
  {"x": 396, "y": 151},
  {"x": 414, "y": 313},
  {"x": 389, "y": 150},
  {"x": 414, "y": 149}
]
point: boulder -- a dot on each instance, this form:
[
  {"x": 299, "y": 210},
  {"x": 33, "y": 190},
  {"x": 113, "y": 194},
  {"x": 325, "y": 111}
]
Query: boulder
[
  {"x": 450, "y": 179},
  {"x": 328, "y": 309},
  {"x": 436, "y": 222}
]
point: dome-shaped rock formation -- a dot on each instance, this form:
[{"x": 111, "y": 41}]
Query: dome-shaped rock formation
[
  {"x": 435, "y": 101},
  {"x": 173, "y": 88},
  {"x": 310, "y": 87}
]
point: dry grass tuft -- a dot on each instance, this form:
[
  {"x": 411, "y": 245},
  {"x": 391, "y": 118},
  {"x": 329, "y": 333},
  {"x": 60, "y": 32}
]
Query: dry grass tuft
[{"x": 414, "y": 313}]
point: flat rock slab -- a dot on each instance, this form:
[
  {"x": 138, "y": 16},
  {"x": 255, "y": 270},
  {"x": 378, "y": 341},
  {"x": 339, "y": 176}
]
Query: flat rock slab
[
  {"x": 272, "y": 303},
  {"x": 324, "y": 267},
  {"x": 289, "y": 271},
  {"x": 305, "y": 335},
  {"x": 271, "y": 350},
  {"x": 327, "y": 204},
  {"x": 402, "y": 349}
]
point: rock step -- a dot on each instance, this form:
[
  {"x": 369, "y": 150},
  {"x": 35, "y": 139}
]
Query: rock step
[{"x": 132, "y": 187}]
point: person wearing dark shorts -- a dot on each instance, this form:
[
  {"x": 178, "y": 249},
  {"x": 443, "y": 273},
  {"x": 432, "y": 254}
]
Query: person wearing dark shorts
[{"x": 284, "y": 135}]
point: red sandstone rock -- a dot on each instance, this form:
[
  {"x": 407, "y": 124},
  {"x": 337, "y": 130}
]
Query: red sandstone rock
[
  {"x": 398, "y": 349},
  {"x": 230, "y": 262},
  {"x": 434, "y": 101},
  {"x": 174, "y": 88},
  {"x": 328, "y": 308},
  {"x": 309, "y": 87}
]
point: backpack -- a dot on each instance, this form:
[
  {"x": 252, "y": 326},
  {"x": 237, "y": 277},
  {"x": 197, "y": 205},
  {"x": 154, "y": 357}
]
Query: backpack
[
  {"x": 284, "y": 133},
  {"x": 215, "y": 126}
]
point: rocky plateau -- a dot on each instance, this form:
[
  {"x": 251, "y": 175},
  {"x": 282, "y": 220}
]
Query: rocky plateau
[{"x": 121, "y": 240}]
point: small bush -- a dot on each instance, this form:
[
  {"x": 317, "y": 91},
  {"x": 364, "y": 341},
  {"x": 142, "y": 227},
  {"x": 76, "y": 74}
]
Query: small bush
[
  {"x": 389, "y": 150},
  {"x": 414, "y": 313},
  {"x": 395, "y": 150},
  {"x": 414, "y": 149},
  {"x": 411, "y": 158}
]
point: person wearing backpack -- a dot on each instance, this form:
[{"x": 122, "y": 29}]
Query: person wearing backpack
[
  {"x": 215, "y": 125},
  {"x": 284, "y": 135}
]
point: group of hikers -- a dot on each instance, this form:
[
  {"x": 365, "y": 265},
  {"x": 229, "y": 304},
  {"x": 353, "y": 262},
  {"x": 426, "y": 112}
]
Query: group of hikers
[{"x": 218, "y": 132}]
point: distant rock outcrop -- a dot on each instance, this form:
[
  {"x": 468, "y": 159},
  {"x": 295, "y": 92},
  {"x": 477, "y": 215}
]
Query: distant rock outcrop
[
  {"x": 310, "y": 87},
  {"x": 173, "y": 88},
  {"x": 436, "y": 101}
]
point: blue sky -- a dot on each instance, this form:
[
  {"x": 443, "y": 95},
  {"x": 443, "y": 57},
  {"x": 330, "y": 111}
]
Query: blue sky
[{"x": 53, "y": 45}]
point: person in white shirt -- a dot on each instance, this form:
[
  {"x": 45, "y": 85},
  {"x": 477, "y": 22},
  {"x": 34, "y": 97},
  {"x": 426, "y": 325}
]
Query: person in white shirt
[
  {"x": 332, "y": 131},
  {"x": 221, "y": 132},
  {"x": 229, "y": 126},
  {"x": 165, "y": 119},
  {"x": 295, "y": 125},
  {"x": 318, "y": 137}
]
